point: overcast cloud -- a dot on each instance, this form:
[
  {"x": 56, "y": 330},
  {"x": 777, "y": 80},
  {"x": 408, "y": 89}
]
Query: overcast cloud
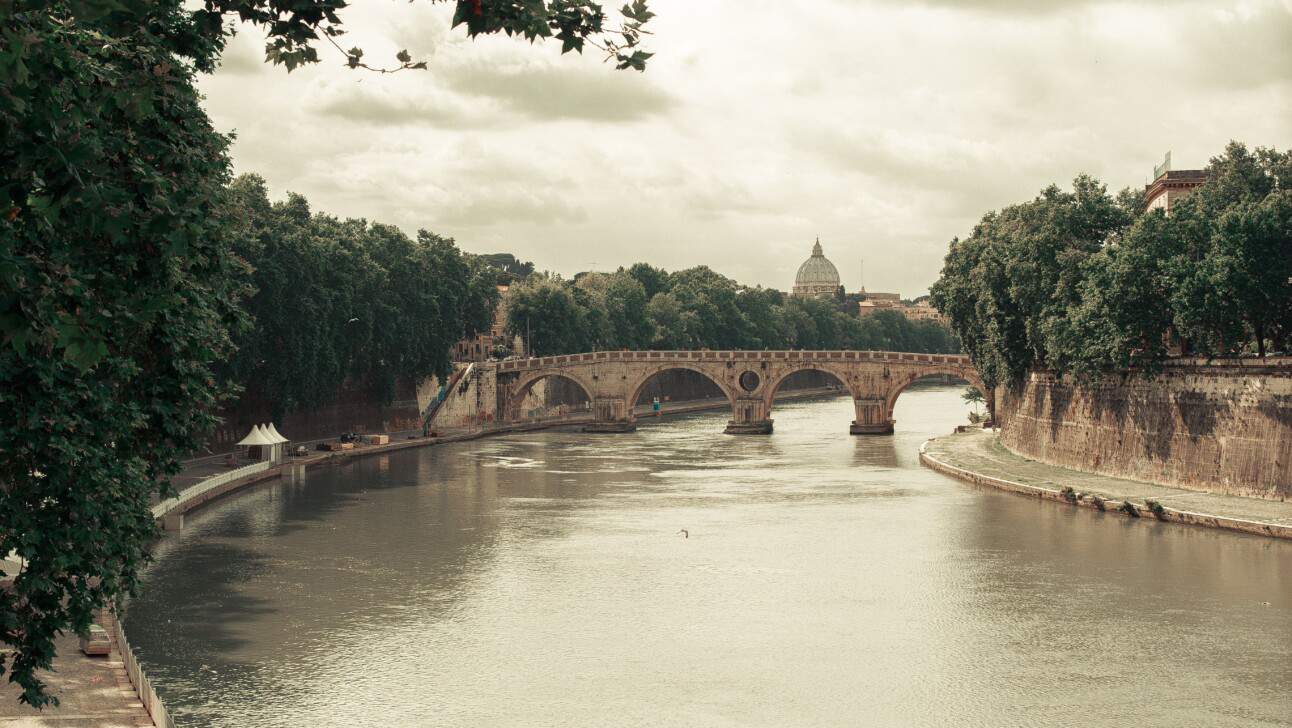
[{"x": 886, "y": 128}]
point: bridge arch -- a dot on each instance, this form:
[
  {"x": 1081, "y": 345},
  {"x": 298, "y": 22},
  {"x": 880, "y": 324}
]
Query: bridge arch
[
  {"x": 521, "y": 388},
  {"x": 902, "y": 381},
  {"x": 773, "y": 386},
  {"x": 635, "y": 392}
]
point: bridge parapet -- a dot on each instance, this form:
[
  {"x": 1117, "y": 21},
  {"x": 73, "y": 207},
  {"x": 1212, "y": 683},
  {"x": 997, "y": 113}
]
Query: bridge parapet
[{"x": 517, "y": 365}]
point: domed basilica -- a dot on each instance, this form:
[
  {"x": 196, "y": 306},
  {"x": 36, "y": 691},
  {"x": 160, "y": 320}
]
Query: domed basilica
[{"x": 817, "y": 276}]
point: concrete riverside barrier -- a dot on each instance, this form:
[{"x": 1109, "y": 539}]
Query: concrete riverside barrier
[
  {"x": 1143, "y": 509},
  {"x": 142, "y": 685},
  {"x": 191, "y": 493},
  {"x": 165, "y": 510}
]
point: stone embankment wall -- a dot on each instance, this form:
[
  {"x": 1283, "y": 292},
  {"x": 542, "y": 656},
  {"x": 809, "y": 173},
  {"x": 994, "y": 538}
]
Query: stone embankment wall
[
  {"x": 352, "y": 409},
  {"x": 1218, "y": 426}
]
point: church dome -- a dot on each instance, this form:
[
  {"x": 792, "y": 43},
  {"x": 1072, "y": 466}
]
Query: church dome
[{"x": 817, "y": 275}]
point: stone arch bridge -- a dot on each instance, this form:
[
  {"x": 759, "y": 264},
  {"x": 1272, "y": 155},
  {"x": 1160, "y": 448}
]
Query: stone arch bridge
[{"x": 613, "y": 381}]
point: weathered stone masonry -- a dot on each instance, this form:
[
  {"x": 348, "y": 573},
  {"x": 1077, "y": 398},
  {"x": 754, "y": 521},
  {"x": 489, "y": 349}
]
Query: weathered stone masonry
[
  {"x": 615, "y": 380},
  {"x": 1219, "y": 426}
]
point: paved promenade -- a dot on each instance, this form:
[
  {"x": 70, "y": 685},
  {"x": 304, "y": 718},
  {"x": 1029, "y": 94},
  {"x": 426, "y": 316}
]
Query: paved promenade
[
  {"x": 93, "y": 691},
  {"x": 978, "y": 453}
]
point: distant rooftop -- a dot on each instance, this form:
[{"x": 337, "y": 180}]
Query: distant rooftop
[
  {"x": 1170, "y": 185},
  {"x": 1182, "y": 175}
]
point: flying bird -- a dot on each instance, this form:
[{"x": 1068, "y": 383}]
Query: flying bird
[{"x": 685, "y": 533}]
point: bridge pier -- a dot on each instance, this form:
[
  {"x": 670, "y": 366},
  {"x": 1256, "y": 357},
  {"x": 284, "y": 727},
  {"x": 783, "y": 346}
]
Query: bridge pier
[
  {"x": 749, "y": 417},
  {"x": 872, "y": 417},
  {"x": 612, "y": 426},
  {"x": 763, "y": 427},
  {"x": 610, "y": 414}
]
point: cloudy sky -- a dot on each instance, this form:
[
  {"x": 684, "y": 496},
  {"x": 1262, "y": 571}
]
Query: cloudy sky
[{"x": 885, "y": 127}]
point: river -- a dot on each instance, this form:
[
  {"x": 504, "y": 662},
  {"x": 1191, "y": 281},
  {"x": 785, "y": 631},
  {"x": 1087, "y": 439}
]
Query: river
[{"x": 828, "y": 580}]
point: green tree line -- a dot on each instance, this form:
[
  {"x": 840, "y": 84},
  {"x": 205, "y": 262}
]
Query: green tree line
[
  {"x": 337, "y": 301},
  {"x": 644, "y": 307},
  {"x": 1087, "y": 283}
]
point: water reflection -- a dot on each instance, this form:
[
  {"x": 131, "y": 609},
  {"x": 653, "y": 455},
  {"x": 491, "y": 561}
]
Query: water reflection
[{"x": 539, "y": 580}]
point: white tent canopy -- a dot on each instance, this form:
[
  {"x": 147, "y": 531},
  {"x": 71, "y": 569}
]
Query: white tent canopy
[
  {"x": 258, "y": 436},
  {"x": 273, "y": 432}
]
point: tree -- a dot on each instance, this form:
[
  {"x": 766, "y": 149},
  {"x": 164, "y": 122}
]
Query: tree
[
  {"x": 294, "y": 30},
  {"x": 118, "y": 295},
  {"x": 548, "y": 317},
  {"x": 1234, "y": 260},
  {"x": 654, "y": 280},
  {"x": 625, "y": 302},
  {"x": 672, "y": 327},
  {"x": 697, "y": 308},
  {"x": 1088, "y": 284},
  {"x": 1122, "y": 317},
  {"x": 510, "y": 268},
  {"x": 1008, "y": 288}
]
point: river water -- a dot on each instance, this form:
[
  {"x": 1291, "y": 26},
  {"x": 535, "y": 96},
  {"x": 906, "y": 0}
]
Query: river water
[{"x": 827, "y": 580}]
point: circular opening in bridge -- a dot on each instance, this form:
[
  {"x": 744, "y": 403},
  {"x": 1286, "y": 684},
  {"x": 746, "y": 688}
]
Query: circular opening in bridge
[{"x": 749, "y": 381}]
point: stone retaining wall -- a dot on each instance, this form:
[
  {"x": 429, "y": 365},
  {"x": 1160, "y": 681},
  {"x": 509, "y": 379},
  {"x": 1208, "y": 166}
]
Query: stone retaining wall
[{"x": 1218, "y": 426}]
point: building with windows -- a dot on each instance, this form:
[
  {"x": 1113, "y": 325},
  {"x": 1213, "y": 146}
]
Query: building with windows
[
  {"x": 1171, "y": 185},
  {"x": 479, "y": 348},
  {"x": 921, "y": 310},
  {"x": 924, "y": 311}
]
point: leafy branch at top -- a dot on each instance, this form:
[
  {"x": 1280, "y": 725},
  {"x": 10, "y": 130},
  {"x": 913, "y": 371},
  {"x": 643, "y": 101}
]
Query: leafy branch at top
[
  {"x": 573, "y": 22},
  {"x": 294, "y": 28}
]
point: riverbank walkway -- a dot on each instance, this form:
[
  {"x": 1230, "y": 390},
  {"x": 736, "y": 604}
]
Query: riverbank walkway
[
  {"x": 93, "y": 692},
  {"x": 980, "y": 458}
]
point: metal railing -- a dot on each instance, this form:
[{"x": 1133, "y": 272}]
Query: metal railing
[
  {"x": 215, "y": 481},
  {"x": 143, "y": 686}
]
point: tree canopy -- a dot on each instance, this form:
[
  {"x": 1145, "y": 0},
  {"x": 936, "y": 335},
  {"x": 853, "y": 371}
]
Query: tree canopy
[
  {"x": 643, "y": 307},
  {"x": 346, "y": 300},
  {"x": 1088, "y": 283}
]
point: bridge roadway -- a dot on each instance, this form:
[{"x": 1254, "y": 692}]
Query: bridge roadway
[{"x": 613, "y": 381}]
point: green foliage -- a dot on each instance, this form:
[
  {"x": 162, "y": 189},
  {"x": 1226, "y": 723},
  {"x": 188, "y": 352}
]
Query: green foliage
[
  {"x": 118, "y": 293},
  {"x": 510, "y": 268},
  {"x": 1088, "y": 284},
  {"x": 346, "y": 300},
  {"x": 545, "y": 313},
  {"x": 294, "y": 29},
  {"x": 573, "y": 22},
  {"x": 645, "y": 307},
  {"x": 1156, "y": 509}
]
